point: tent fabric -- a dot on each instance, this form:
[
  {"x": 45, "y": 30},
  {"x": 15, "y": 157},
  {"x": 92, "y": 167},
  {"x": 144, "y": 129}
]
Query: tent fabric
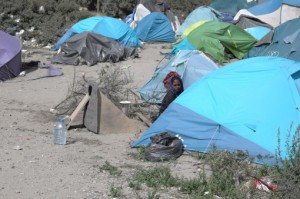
[
  {"x": 155, "y": 27},
  {"x": 10, "y": 56},
  {"x": 202, "y": 13},
  {"x": 258, "y": 32},
  {"x": 140, "y": 12},
  {"x": 273, "y": 12},
  {"x": 107, "y": 26},
  {"x": 212, "y": 37},
  {"x": 232, "y": 6},
  {"x": 192, "y": 27},
  {"x": 189, "y": 64},
  {"x": 92, "y": 48},
  {"x": 146, "y": 7},
  {"x": 285, "y": 42},
  {"x": 245, "y": 21},
  {"x": 241, "y": 106}
]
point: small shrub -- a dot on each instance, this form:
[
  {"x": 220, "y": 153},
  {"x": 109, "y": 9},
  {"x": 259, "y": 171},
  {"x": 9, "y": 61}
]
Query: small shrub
[
  {"x": 113, "y": 82},
  {"x": 286, "y": 175},
  {"x": 135, "y": 185},
  {"x": 156, "y": 177},
  {"x": 153, "y": 194},
  {"x": 115, "y": 192},
  {"x": 195, "y": 187},
  {"x": 111, "y": 169},
  {"x": 140, "y": 155}
]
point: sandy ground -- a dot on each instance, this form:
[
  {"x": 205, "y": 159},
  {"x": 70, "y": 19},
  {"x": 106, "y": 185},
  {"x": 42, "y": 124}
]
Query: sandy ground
[{"x": 31, "y": 166}]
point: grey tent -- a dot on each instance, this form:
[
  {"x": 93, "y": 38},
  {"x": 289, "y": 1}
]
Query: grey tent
[
  {"x": 10, "y": 56},
  {"x": 245, "y": 21},
  {"x": 92, "y": 48}
]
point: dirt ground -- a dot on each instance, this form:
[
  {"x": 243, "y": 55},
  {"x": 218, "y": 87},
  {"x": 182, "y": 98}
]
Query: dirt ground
[{"x": 31, "y": 166}]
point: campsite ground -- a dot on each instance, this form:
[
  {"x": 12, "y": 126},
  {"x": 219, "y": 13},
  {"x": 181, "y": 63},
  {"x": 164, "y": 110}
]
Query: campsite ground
[{"x": 31, "y": 166}]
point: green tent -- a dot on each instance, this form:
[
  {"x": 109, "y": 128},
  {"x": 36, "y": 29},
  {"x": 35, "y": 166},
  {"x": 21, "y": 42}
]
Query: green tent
[{"x": 213, "y": 37}]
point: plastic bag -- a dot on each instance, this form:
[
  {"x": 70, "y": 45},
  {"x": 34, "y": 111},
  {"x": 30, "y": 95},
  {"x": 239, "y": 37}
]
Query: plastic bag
[{"x": 163, "y": 146}]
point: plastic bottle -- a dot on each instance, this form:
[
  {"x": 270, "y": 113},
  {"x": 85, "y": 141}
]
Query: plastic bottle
[{"x": 60, "y": 132}]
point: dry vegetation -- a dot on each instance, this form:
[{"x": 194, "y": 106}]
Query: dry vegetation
[{"x": 47, "y": 20}]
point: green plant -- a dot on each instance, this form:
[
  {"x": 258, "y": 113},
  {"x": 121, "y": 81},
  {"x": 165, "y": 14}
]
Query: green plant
[
  {"x": 229, "y": 171},
  {"x": 286, "y": 175},
  {"x": 115, "y": 192},
  {"x": 155, "y": 177},
  {"x": 140, "y": 154},
  {"x": 135, "y": 185},
  {"x": 194, "y": 187},
  {"x": 111, "y": 169},
  {"x": 153, "y": 194}
]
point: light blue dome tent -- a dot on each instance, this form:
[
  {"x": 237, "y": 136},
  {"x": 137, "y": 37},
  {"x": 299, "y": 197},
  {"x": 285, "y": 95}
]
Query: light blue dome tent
[
  {"x": 202, "y": 13},
  {"x": 189, "y": 64},
  {"x": 155, "y": 27},
  {"x": 240, "y": 106},
  {"x": 106, "y": 26}
]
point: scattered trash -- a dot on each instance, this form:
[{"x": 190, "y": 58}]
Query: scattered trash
[
  {"x": 163, "y": 146},
  {"x": 264, "y": 184},
  {"x": 126, "y": 66},
  {"x": 23, "y": 73},
  {"x": 18, "y": 148},
  {"x": 54, "y": 111}
]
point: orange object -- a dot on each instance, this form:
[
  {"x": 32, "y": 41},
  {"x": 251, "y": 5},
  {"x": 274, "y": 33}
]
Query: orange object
[{"x": 264, "y": 184}]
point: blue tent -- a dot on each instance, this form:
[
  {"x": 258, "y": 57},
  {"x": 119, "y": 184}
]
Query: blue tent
[
  {"x": 202, "y": 13},
  {"x": 240, "y": 106},
  {"x": 106, "y": 26},
  {"x": 155, "y": 27},
  {"x": 273, "y": 12},
  {"x": 189, "y": 64},
  {"x": 270, "y": 6},
  {"x": 285, "y": 42},
  {"x": 231, "y": 6}
]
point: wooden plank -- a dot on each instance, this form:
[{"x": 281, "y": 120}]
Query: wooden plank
[
  {"x": 145, "y": 120},
  {"x": 80, "y": 106}
]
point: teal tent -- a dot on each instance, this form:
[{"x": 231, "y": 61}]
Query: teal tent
[
  {"x": 240, "y": 106},
  {"x": 285, "y": 42},
  {"x": 106, "y": 26},
  {"x": 189, "y": 64},
  {"x": 155, "y": 27},
  {"x": 232, "y": 6},
  {"x": 202, "y": 13}
]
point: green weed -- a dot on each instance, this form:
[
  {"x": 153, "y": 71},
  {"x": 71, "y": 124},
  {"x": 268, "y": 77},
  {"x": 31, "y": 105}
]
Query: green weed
[
  {"x": 155, "y": 177},
  {"x": 111, "y": 169},
  {"x": 115, "y": 192}
]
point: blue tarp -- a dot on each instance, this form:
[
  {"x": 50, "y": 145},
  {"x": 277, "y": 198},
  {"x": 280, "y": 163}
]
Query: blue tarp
[
  {"x": 240, "y": 106},
  {"x": 155, "y": 27},
  {"x": 106, "y": 26},
  {"x": 190, "y": 65}
]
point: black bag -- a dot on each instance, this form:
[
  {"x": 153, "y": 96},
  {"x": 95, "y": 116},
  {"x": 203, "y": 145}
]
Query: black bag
[{"x": 163, "y": 146}]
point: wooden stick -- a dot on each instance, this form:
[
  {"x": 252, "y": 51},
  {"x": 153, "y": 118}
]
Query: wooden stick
[
  {"x": 145, "y": 120},
  {"x": 80, "y": 106}
]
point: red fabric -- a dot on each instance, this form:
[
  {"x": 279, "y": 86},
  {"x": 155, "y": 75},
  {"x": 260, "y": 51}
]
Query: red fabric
[{"x": 166, "y": 80}]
